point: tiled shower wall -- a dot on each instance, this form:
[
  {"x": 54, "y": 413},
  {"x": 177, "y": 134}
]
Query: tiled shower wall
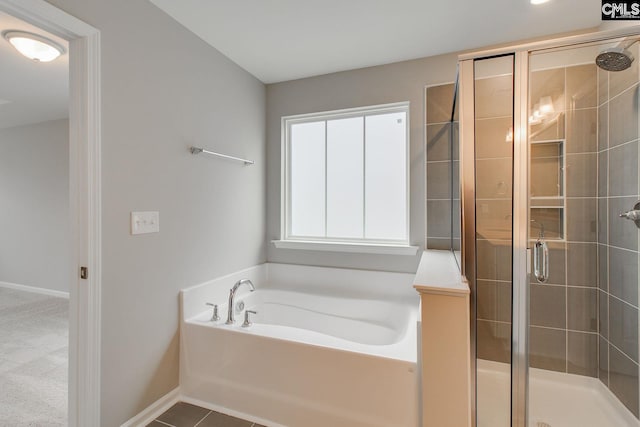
[
  {"x": 442, "y": 185},
  {"x": 618, "y": 191},
  {"x": 494, "y": 206},
  {"x": 494, "y": 192},
  {"x": 563, "y": 311}
]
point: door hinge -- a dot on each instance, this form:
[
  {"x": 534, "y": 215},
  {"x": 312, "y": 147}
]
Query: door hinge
[{"x": 84, "y": 273}]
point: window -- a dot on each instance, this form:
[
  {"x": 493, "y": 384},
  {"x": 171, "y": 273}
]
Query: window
[{"x": 345, "y": 176}]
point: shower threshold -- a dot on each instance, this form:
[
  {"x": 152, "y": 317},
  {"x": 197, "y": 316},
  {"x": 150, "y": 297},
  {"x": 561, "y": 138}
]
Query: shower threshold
[{"x": 556, "y": 399}]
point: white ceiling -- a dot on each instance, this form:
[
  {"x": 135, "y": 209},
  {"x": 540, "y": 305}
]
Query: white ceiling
[
  {"x": 31, "y": 92},
  {"x": 278, "y": 40}
]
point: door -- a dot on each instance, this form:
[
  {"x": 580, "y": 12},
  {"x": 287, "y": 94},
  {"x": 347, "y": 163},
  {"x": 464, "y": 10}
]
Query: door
[{"x": 583, "y": 288}]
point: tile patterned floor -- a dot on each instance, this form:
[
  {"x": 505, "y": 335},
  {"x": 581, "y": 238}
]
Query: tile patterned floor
[{"x": 186, "y": 415}]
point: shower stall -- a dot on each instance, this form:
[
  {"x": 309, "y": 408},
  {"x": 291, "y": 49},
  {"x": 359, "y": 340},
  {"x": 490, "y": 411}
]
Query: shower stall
[{"x": 549, "y": 155}]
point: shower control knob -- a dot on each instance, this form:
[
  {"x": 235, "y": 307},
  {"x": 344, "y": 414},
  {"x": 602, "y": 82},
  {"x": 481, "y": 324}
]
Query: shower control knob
[{"x": 633, "y": 214}]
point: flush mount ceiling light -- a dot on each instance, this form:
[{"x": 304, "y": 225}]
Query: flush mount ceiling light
[
  {"x": 34, "y": 46},
  {"x": 538, "y": 1}
]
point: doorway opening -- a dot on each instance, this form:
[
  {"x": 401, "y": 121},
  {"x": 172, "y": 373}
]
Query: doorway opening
[{"x": 84, "y": 201}]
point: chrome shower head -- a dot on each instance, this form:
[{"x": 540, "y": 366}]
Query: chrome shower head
[{"x": 614, "y": 59}]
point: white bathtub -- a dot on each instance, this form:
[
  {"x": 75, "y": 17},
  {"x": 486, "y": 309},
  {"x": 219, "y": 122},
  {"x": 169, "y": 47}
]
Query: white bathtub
[{"x": 311, "y": 357}]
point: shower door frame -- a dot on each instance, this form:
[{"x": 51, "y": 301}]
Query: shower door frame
[{"x": 520, "y": 244}]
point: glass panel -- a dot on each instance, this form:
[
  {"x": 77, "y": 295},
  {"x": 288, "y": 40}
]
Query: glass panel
[
  {"x": 345, "y": 180},
  {"x": 583, "y": 326},
  {"x": 494, "y": 243},
  {"x": 307, "y": 179},
  {"x": 442, "y": 168},
  {"x": 456, "y": 214},
  {"x": 386, "y": 177}
]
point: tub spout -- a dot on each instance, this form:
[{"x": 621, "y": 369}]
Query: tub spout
[{"x": 232, "y": 296}]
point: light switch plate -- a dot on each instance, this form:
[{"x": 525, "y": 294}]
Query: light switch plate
[{"x": 145, "y": 222}]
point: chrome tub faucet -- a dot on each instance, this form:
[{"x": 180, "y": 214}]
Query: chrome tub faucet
[{"x": 232, "y": 296}]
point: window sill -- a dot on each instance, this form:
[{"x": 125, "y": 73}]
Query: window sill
[{"x": 362, "y": 248}]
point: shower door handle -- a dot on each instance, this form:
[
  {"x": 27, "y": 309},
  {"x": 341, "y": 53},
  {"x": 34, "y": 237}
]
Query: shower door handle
[{"x": 541, "y": 261}]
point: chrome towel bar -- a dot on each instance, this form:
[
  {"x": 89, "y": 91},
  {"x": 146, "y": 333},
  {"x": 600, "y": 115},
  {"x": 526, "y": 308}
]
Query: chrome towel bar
[{"x": 198, "y": 150}]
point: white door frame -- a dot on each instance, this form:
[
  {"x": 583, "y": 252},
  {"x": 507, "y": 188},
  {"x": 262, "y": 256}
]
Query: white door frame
[{"x": 84, "y": 195}]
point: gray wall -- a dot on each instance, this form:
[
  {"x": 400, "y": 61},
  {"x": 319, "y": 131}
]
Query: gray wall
[
  {"x": 163, "y": 89},
  {"x": 34, "y": 195},
  {"x": 403, "y": 81}
]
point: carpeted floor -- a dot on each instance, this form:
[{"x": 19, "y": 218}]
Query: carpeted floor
[{"x": 34, "y": 331}]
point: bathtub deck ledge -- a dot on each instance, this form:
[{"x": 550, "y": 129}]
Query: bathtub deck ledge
[{"x": 438, "y": 273}]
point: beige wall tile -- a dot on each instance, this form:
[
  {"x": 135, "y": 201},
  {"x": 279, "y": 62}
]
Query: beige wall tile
[
  {"x": 494, "y": 97},
  {"x": 581, "y": 86}
]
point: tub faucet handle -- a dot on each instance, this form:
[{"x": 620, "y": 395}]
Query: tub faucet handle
[
  {"x": 247, "y": 322},
  {"x": 215, "y": 316}
]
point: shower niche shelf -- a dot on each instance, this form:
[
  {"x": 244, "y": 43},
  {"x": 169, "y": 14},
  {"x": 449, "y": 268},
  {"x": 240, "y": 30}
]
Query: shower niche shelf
[{"x": 547, "y": 189}]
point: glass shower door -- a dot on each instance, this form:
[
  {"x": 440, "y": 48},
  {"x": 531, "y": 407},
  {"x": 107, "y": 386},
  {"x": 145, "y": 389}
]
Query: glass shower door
[
  {"x": 493, "y": 165},
  {"x": 583, "y": 288}
]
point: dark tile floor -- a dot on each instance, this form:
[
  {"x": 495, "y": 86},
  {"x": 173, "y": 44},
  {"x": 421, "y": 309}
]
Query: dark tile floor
[{"x": 186, "y": 415}]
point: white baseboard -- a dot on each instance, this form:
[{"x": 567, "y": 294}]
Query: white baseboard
[
  {"x": 154, "y": 410},
  {"x": 35, "y": 290}
]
